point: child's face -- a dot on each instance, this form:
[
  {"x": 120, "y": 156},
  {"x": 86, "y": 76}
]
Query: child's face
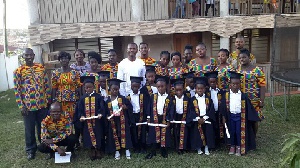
[
  {"x": 135, "y": 87},
  {"x": 235, "y": 85},
  {"x": 179, "y": 90},
  {"x": 164, "y": 60},
  {"x": 190, "y": 83},
  {"x": 150, "y": 77},
  {"x": 102, "y": 82},
  {"x": 222, "y": 57},
  {"x": 161, "y": 87},
  {"x": 89, "y": 88},
  {"x": 244, "y": 59},
  {"x": 200, "y": 89},
  {"x": 112, "y": 56},
  {"x": 176, "y": 60},
  {"x": 212, "y": 82},
  {"x": 93, "y": 63},
  {"x": 114, "y": 90}
]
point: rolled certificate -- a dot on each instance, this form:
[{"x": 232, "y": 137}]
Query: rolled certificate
[
  {"x": 227, "y": 132},
  {"x": 120, "y": 109},
  {"x": 157, "y": 125},
  {"x": 207, "y": 122},
  {"x": 178, "y": 122},
  {"x": 89, "y": 118},
  {"x": 142, "y": 123}
]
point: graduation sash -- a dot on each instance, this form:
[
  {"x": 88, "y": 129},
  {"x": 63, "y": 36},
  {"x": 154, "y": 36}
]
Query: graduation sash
[
  {"x": 90, "y": 109},
  {"x": 195, "y": 102},
  {"x": 114, "y": 129},
  {"x": 221, "y": 126},
  {"x": 182, "y": 126},
  {"x": 243, "y": 121},
  {"x": 160, "y": 136},
  {"x": 150, "y": 91}
]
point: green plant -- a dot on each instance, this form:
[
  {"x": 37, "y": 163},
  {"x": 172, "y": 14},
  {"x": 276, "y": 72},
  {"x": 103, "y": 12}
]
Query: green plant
[{"x": 292, "y": 151}]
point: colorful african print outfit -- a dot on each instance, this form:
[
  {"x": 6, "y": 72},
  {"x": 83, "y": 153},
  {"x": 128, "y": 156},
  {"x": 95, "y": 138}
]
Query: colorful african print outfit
[
  {"x": 31, "y": 87},
  {"x": 234, "y": 59},
  {"x": 81, "y": 69},
  {"x": 201, "y": 69},
  {"x": 58, "y": 131},
  {"x": 251, "y": 83},
  {"x": 66, "y": 85},
  {"x": 148, "y": 61},
  {"x": 113, "y": 69},
  {"x": 224, "y": 77},
  {"x": 176, "y": 73}
]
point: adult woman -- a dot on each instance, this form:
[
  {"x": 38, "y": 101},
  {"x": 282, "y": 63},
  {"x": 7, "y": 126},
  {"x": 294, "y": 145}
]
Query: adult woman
[
  {"x": 202, "y": 63},
  {"x": 94, "y": 61},
  {"x": 223, "y": 68},
  {"x": 80, "y": 65},
  {"x": 66, "y": 84},
  {"x": 253, "y": 83},
  {"x": 176, "y": 70}
]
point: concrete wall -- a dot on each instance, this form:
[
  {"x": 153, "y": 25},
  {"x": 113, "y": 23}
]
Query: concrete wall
[{"x": 6, "y": 82}]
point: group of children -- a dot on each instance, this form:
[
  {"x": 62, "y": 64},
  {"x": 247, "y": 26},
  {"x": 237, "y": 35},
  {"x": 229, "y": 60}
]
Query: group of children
[{"x": 196, "y": 116}]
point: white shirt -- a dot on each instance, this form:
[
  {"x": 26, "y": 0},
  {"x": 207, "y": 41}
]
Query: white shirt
[
  {"x": 214, "y": 97},
  {"x": 161, "y": 103},
  {"x": 115, "y": 106},
  {"x": 210, "y": 2},
  {"x": 202, "y": 107},
  {"x": 103, "y": 92},
  {"x": 179, "y": 104},
  {"x": 127, "y": 68},
  {"x": 192, "y": 92},
  {"x": 154, "y": 89},
  {"x": 235, "y": 101},
  {"x": 135, "y": 101}
]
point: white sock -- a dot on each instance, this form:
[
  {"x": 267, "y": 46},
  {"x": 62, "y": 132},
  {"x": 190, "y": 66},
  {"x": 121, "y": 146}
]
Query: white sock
[
  {"x": 127, "y": 153},
  {"x": 200, "y": 151},
  {"x": 206, "y": 150},
  {"x": 117, "y": 154}
]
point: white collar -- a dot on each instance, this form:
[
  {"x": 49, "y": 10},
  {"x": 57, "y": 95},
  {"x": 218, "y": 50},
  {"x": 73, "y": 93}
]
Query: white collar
[
  {"x": 179, "y": 98},
  {"x": 217, "y": 89},
  {"x": 239, "y": 92},
  {"x": 131, "y": 93},
  {"x": 165, "y": 94},
  {"x": 197, "y": 96},
  {"x": 91, "y": 93},
  {"x": 189, "y": 89}
]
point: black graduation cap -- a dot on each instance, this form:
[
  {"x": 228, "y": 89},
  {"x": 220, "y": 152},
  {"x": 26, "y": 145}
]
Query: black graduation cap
[
  {"x": 115, "y": 82},
  {"x": 200, "y": 80},
  {"x": 190, "y": 74},
  {"x": 136, "y": 79},
  {"x": 87, "y": 79},
  {"x": 162, "y": 78},
  {"x": 179, "y": 81},
  {"x": 212, "y": 74},
  {"x": 235, "y": 75},
  {"x": 104, "y": 74},
  {"x": 150, "y": 68}
]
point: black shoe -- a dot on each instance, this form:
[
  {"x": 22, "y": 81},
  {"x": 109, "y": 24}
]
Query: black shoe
[
  {"x": 77, "y": 146},
  {"x": 73, "y": 156},
  {"x": 30, "y": 156},
  {"x": 143, "y": 151},
  {"x": 150, "y": 155},
  {"x": 180, "y": 152},
  {"x": 164, "y": 153},
  {"x": 49, "y": 156}
]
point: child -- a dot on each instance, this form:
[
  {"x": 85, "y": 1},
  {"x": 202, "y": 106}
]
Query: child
[
  {"x": 239, "y": 114},
  {"x": 202, "y": 112},
  {"x": 162, "y": 66},
  {"x": 190, "y": 88},
  {"x": 103, "y": 89},
  {"x": 223, "y": 68},
  {"x": 112, "y": 66},
  {"x": 181, "y": 104},
  {"x": 91, "y": 104},
  {"x": 139, "y": 104},
  {"x": 160, "y": 111},
  {"x": 119, "y": 121},
  {"x": 216, "y": 94},
  {"x": 149, "y": 88}
]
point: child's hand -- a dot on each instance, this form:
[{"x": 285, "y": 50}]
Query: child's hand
[
  {"x": 81, "y": 119},
  {"x": 124, "y": 107},
  {"x": 201, "y": 121},
  {"x": 168, "y": 124},
  {"x": 99, "y": 116}
]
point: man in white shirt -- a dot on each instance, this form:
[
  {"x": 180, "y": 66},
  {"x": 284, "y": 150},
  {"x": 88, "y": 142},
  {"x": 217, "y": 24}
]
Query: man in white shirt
[{"x": 130, "y": 66}]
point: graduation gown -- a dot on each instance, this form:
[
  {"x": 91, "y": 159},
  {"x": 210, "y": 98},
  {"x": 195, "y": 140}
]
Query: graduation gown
[
  {"x": 93, "y": 130},
  {"x": 160, "y": 135},
  {"x": 138, "y": 133},
  {"x": 181, "y": 132},
  {"x": 248, "y": 117},
  {"x": 119, "y": 136},
  {"x": 204, "y": 134}
]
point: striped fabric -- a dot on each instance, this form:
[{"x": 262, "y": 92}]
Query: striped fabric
[
  {"x": 113, "y": 69},
  {"x": 201, "y": 69}
]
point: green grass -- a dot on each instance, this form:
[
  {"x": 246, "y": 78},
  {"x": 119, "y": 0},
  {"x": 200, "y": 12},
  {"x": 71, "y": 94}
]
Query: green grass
[{"x": 269, "y": 143}]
